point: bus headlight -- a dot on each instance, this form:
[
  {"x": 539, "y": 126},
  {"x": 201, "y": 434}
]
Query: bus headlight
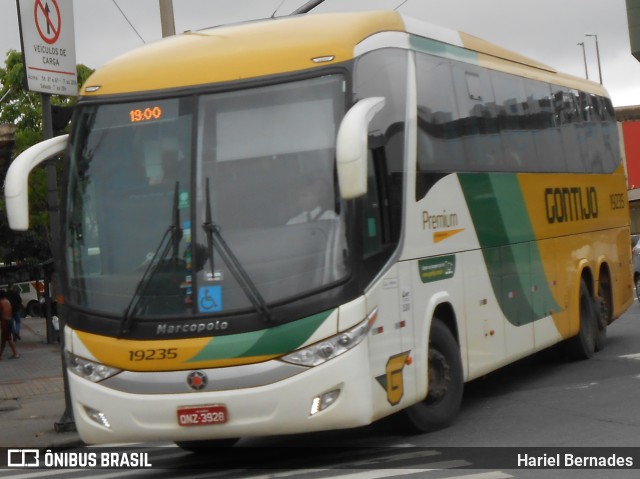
[
  {"x": 87, "y": 369},
  {"x": 332, "y": 347}
]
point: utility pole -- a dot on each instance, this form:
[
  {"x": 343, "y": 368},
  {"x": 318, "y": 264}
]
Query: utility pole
[
  {"x": 167, "y": 19},
  {"x": 584, "y": 57},
  {"x": 597, "y": 53}
]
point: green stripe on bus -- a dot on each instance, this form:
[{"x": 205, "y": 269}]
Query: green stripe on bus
[
  {"x": 508, "y": 244},
  {"x": 273, "y": 341}
]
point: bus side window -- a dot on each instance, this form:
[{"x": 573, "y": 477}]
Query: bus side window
[
  {"x": 547, "y": 139},
  {"x": 440, "y": 148},
  {"x": 476, "y": 109},
  {"x": 514, "y": 122},
  {"x": 611, "y": 144},
  {"x": 592, "y": 131},
  {"x": 569, "y": 122}
]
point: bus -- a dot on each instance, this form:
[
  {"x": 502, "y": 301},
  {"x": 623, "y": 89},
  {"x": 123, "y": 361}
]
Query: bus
[{"x": 314, "y": 222}]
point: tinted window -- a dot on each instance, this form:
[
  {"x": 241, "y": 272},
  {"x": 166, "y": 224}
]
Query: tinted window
[
  {"x": 474, "y": 119},
  {"x": 547, "y": 140},
  {"x": 514, "y": 121},
  {"x": 384, "y": 73}
]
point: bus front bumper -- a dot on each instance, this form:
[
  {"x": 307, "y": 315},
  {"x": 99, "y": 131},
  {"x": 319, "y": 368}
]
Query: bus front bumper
[{"x": 288, "y": 406}]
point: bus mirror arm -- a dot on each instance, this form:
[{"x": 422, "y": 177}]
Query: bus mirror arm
[
  {"x": 16, "y": 187},
  {"x": 352, "y": 147}
]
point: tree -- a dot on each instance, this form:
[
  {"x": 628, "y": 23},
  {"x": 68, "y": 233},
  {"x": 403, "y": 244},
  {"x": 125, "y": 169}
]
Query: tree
[{"x": 23, "y": 109}]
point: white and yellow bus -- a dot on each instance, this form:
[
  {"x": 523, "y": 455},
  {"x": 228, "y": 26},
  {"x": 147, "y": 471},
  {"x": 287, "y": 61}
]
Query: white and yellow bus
[{"x": 314, "y": 222}]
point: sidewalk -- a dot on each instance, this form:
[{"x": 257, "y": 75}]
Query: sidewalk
[{"x": 32, "y": 391}]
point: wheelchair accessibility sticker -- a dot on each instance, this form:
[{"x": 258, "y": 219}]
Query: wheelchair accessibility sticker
[{"x": 210, "y": 299}]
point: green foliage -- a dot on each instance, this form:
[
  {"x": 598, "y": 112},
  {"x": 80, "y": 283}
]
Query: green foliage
[{"x": 23, "y": 109}]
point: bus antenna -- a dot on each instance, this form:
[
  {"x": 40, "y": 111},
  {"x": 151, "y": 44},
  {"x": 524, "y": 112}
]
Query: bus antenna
[{"x": 273, "y": 15}]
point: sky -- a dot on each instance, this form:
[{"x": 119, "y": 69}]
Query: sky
[{"x": 546, "y": 30}]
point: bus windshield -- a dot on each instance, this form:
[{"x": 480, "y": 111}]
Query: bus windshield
[{"x": 198, "y": 204}]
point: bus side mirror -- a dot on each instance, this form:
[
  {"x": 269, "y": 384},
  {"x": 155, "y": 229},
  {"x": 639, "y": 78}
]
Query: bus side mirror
[
  {"x": 352, "y": 147},
  {"x": 16, "y": 183}
]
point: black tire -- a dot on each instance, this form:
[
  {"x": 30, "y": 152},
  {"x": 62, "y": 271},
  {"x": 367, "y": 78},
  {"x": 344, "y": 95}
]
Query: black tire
[
  {"x": 603, "y": 307},
  {"x": 638, "y": 287},
  {"x": 583, "y": 345},
  {"x": 205, "y": 446},
  {"x": 33, "y": 309},
  {"x": 446, "y": 384}
]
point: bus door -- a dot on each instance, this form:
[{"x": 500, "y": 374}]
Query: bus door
[{"x": 391, "y": 335}]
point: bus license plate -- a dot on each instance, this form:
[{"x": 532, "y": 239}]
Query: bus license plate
[{"x": 202, "y": 415}]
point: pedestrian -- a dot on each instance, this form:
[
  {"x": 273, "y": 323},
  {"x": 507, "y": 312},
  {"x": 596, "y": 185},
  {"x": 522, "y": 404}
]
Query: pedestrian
[
  {"x": 6, "y": 331},
  {"x": 13, "y": 294}
]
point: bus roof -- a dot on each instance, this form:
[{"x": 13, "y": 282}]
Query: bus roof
[{"x": 283, "y": 45}]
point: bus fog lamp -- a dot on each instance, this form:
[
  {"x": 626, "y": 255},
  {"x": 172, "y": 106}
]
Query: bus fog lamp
[
  {"x": 97, "y": 416},
  {"x": 87, "y": 369},
  {"x": 320, "y": 403}
]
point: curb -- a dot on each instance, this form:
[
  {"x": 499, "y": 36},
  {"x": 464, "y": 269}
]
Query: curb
[{"x": 9, "y": 404}]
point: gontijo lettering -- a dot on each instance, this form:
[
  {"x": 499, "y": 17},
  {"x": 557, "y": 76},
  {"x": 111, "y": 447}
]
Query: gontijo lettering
[{"x": 563, "y": 205}]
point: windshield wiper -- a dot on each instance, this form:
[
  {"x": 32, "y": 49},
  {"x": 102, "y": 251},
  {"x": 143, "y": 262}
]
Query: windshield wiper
[
  {"x": 216, "y": 241},
  {"x": 170, "y": 241}
]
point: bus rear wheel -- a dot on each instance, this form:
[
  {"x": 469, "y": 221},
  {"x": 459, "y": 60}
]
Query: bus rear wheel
[
  {"x": 603, "y": 304},
  {"x": 583, "y": 346},
  {"x": 446, "y": 386}
]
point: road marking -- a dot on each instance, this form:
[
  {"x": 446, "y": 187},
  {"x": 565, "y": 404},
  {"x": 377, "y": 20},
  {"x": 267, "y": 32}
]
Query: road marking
[
  {"x": 581, "y": 386},
  {"x": 393, "y": 457},
  {"x": 382, "y": 473},
  {"x": 484, "y": 475},
  {"x": 297, "y": 472},
  {"x": 630, "y": 356}
]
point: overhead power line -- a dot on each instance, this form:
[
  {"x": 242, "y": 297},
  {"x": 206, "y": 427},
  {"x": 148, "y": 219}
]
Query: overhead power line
[{"x": 128, "y": 21}]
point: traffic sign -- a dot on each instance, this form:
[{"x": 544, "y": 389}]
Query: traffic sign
[
  {"x": 48, "y": 45},
  {"x": 49, "y": 18}
]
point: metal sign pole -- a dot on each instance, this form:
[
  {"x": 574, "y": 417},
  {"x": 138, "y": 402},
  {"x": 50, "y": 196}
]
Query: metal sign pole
[
  {"x": 66, "y": 421},
  {"x": 48, "y": 48}
]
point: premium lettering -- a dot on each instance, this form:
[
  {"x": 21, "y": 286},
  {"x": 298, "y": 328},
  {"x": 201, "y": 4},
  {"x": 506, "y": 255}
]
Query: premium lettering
[{"x": 434, "y": 222}]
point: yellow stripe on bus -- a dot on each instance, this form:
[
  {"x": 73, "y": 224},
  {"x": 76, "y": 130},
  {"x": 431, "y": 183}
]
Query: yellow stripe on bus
[{"x": 156, "y": 355}]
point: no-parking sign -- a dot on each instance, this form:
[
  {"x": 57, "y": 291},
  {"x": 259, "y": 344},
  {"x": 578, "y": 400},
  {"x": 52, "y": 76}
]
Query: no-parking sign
[{"x": 48, "y": 45}]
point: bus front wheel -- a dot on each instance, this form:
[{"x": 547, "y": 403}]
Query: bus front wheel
[{"x": 446, "y": 386}]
